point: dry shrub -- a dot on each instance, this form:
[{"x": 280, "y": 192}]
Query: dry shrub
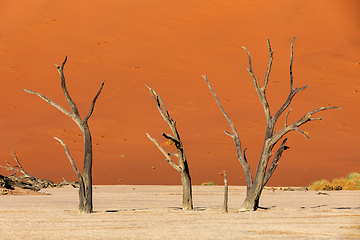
[
  {"x": 319, "y": 185},
  {"x": 338, "y": 183},
  {"x": 351, "y": 182},
  {"x": 354, "y": 177}
]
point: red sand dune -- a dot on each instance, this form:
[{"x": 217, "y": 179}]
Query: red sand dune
[{"x": 169, "y": 45}]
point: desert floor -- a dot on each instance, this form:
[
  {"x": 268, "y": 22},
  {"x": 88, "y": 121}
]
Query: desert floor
[{"x": 152, "y": 212}]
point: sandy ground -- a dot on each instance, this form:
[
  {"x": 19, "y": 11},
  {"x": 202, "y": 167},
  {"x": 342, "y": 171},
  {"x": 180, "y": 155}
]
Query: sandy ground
[
  {"x": 169, "y": 45},
  {"x": 152, "y": 212}
]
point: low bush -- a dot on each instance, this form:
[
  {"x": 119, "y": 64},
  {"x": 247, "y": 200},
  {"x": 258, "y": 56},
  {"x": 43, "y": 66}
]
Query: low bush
[{"x": 351, "y": 182}]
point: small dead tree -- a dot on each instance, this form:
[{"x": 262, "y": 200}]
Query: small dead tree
[
  {"x": 264, "y": 172},
  {"x": 226, "y": 194},
  {"x": 85, "y": 180},
  {"x": 182, "y": 166},
  {"x": 26, "y": 180}
]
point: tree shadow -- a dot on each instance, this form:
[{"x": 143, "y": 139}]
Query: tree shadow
[
  {"x": 181, "y": 209},
  {"x": 346, "y": 208},
  {"x": 126, "y": 210},
  {"x": 319, "y": 206},
  {"x": 266, "y": 208}
]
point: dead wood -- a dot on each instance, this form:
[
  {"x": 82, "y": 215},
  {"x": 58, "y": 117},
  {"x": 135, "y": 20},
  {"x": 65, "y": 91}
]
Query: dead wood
[
  {"x": 226, "y": 194},
  {"x": 265, "y": 170},
  {"x": 181, "y": 166},
  {"x": 22, "y": 179},
  {"x": 85, "y": 179}
]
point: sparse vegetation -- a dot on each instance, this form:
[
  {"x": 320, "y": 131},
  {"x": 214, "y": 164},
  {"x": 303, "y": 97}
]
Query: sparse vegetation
[
  {"x": 208, "y": 183},
  {"x": 351, "y": 182}
]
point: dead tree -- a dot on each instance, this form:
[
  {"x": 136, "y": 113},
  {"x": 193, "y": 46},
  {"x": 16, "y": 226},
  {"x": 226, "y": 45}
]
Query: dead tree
[
  {"x": 26, "y": 180},
  {"x": 264, "y": 172},
  {"x": 182, "y": 166},
  {"x": 226, "y": 194},
  {"x": 85, "y": 180}
]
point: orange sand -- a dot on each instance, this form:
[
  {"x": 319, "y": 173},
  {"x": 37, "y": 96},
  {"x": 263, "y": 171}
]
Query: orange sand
[{"x": 169, "y": 45}]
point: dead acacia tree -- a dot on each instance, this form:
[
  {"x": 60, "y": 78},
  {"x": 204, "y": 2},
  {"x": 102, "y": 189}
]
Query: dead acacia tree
[
  {"x": 263, "y": 171},
  {"x": 85, "y": 180},
  {"x": 182, "y": 166},
  {"x": 23, "y": 179},
  {"x": 26, "y": 180}
]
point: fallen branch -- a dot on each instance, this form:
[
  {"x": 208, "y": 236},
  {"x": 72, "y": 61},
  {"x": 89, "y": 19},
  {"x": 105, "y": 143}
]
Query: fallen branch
[{"x": 26, "y": 180}]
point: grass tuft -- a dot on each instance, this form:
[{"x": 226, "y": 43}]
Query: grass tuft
[{"x": 208, "y": 183}]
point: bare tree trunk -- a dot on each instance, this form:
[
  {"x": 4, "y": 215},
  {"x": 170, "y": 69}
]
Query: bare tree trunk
[
  {"x": 187, "y": 189},
  {"x": 226, "y": 194},
  {"x": 182, "y": 166},
  {"x": 85, "y": 180},
  {"x": 85, "y": 196},
  {"x": 264, "y": 171}
]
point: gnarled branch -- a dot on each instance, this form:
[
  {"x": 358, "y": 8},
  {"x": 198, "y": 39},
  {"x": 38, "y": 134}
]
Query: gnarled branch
[
  {"x": 52, "y": 103},
  {"x": 70, "y": 159},
  {"x": 182, "y": 166},
  {"x": 166, "y": 154},
  {"x": 93, "y": 103},
  {"x": 236, "y": 138}
]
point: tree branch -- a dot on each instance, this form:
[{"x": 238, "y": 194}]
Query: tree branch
[
  {"x": 161, "y": 106},
  {"x": 63, "y": 110},
  {"x": 293, "y": 91},
  {"x": 166, "y": 154},
  {"x": 261, "y": 90},
  {"x": 221, "y": 108},
  {"x": 306, "y": 118},
  {"x": 168, "y": 136},
  {"x": 64, "y": 88},
  {"x": 286, "y": 117},
  {"x": 21, "y": 169},
  {"x": 71, "y": 160},
  {"x": 256, "y": 81},
  {"x": 291, "y": 63},
  {"x": 236, "y": 138},
  {"x": 93, "y": 103},
  {"x": 275, "y": 161},
  {"x": 269, "y": 66}
]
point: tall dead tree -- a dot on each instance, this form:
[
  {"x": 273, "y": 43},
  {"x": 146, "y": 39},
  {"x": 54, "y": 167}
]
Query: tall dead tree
[
  {"x": 85, "y": 180},
  {"x": 264, "y": 172},
  {"x": 182, "y": 166}
]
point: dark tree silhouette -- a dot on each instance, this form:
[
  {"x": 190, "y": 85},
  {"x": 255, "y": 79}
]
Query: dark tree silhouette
[
  {"x": 182, "y": 166},
  {"x": 85, "y": 180},
  {"x": 264, "y": 172}
]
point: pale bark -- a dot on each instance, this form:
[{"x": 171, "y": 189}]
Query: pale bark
[
  {"x": 182, "y": 166},
  {"x": 263, "y": 171},
  {"x": 85, "y": 180},
  {"x": 226, "y": 194}
]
